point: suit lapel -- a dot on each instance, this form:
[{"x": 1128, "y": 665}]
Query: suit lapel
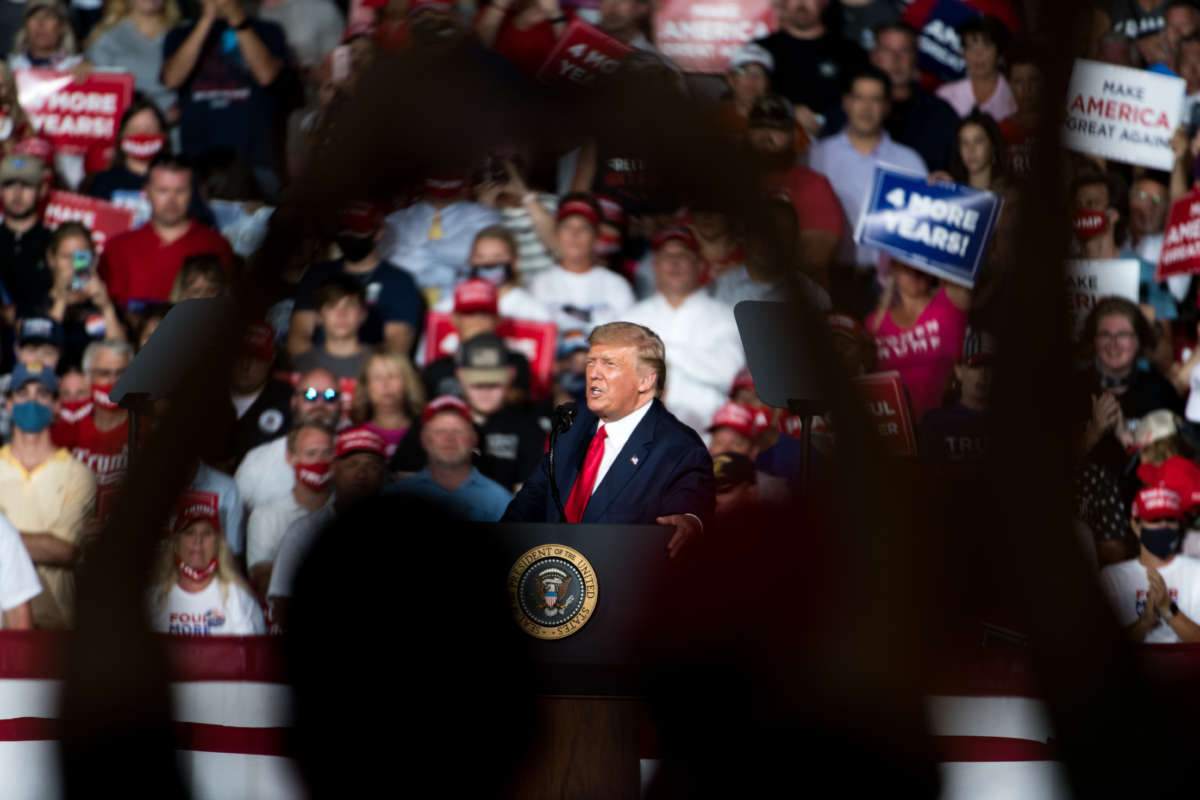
[{"x": 625, "y": 467}]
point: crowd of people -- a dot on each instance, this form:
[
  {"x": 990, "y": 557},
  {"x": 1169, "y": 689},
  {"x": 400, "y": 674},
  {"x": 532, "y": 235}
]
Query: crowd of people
[{"x": 421, "y": 348}]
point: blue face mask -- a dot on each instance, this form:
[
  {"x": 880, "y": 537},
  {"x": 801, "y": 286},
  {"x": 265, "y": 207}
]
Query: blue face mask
[
  {"x": 1161, "y": 540},
  {"x": 31, "y": 416}
]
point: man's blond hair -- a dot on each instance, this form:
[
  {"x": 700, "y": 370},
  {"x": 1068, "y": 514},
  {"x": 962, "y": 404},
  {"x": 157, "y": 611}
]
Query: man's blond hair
[{"x": 651, "y": 352}]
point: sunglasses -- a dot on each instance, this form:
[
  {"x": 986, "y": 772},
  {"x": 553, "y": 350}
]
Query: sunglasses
[{"x": 312, "y": 394}]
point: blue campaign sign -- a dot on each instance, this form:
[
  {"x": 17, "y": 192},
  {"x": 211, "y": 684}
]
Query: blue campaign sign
[{"x": 941, "y": 228}]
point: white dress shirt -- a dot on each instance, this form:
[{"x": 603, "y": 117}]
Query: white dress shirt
[
  {"x": 434, "y": 263},
  {"x": 619, "y": 432}
]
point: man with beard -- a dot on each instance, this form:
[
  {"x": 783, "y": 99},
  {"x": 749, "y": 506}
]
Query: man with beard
[{"x": 23, "y": 237}]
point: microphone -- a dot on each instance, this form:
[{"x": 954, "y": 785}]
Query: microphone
[{"x": 561, "y": 421}]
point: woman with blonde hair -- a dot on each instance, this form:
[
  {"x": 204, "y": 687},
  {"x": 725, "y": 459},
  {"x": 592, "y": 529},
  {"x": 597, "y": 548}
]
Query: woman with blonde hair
[
  {"x": 46, "y": 40},
  {"x": 388, "y": 397},
  {"x": 197, "y": 590},
  {"x": 202, "y": 275},
  {"x": 130, "y": 37}
]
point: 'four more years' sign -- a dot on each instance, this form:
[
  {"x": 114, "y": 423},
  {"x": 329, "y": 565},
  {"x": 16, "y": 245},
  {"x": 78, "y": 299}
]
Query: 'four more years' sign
[
  {"x": 701, "y": 35},
  {"x": 941, "y": 228},
  {"x": 884, "y": 395},
  {"x": 1090, "y": 280},
  {"x": 74, "y": 116},
  {"x": 1181, "y": 241},
  {"x": 1123, "y": 114},
  {"x": 582, "y": 54}
]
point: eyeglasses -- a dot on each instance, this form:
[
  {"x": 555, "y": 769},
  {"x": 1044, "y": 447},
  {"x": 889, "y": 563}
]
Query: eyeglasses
[
  {"x": 312, "y": 394},
  {"x": 1123, "y": 337},
  {"x": 1143, "y": 196}
]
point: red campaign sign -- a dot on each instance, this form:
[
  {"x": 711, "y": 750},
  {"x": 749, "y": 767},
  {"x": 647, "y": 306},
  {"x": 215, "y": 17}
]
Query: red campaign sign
[
  {"x": 888, "y": 407},
  {"x": 582, "y": 54},
  {"x": 74, "y": 116},
  {"x": 537, "y": 341},
  {"x": 701, "y": 35},
  {"x": 102, "y": 218},
  {"x": 1181, "y": 241}
]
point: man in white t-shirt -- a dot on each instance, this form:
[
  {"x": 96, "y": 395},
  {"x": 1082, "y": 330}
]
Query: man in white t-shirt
[
  {"x": 704, "y": 350},
  {"x": 310, "y": 453},
  {"x": 18, "y": 580},
  {"x": 578, "y": 293},
  {"x": 1156, "y": 596},
  {"x": 265, "y": 473}
]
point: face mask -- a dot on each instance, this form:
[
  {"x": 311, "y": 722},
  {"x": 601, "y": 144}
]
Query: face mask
[
  {"x": 100, "y": 396},
  {"x": 1089, "y": 223},
  {"x": 31, "y": 416},
  {"x": 74, "y": 410},
  {"x": 197, "y": 574},
  {"x": 444, "y": 188},
  {"x": 495, "y": 274},
  {"x": 355, "y": 248},
  {"x": 143, "y": 146},
  {"x": 1160, "y": 540},
  {"x": 314, "y": 476},
  {"x": 607, "y": 244}
]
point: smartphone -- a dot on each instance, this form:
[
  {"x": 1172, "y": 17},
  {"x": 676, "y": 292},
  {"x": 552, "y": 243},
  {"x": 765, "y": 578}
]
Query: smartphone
[
  {"x": 339, "y": 62},
  {"x": 81, "y": 264}
]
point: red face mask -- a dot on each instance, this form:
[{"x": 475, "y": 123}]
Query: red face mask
[
  {"x": 74, "y": 410},
  {"x": 314, "y": 476},
  {"x": 197, "y": 574},
  {"x": 444, "y": 188},
  {"x": 1089, "y": 223},
  {"x": 142, "y": 146},
  {"x": 100, "y": 396}
]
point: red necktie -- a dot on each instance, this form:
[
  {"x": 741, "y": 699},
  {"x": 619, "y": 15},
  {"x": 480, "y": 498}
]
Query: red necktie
[{"x": 581, "y": 492}]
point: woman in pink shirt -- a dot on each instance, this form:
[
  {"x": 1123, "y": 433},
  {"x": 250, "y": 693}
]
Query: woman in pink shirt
[
  {"x": 983, "y": 40},
  {"x": 918, "y": 332}
]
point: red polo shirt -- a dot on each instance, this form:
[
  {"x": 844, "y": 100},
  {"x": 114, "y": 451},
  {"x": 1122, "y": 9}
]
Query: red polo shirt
[{"x": 139, "y": 266}]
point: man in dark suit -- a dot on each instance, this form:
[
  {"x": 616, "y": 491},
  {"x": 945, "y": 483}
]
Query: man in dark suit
[{"x": 626, "y": 459}]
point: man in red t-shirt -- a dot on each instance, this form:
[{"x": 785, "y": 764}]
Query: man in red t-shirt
[{"x": 139, "y": 266}]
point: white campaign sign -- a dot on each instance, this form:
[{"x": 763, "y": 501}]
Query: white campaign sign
[
  {"x": 1089, "y": 280},
  {"x": 1123, "y": 114}
]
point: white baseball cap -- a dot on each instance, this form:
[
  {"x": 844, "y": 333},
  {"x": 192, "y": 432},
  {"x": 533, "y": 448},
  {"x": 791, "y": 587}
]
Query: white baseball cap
[{"x": 751, "y": 53}]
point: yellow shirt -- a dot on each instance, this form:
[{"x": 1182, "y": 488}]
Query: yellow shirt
[{"x": 55, "y": 498}]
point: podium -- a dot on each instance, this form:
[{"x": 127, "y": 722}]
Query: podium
[{"x": 586, "y": 658}]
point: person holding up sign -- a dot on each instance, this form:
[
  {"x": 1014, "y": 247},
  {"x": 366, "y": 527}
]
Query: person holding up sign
[{"x": 523, "y": 31}]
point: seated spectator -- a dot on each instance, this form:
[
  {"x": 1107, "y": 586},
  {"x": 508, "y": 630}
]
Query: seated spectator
[
  {"x": 736, "y": 482},
  {"x": 494, "y": 259},
  {"x": 46, "y": 40},
  {"x": 1167, "y": 459},
  {"x": 201, "y": 276},
  {"x": 704, "y": 350},
  {"x": 1149, "y": 202},
  {"x": 523, "y": 31},
  {"x": 228, "y": 48},
  {"x": 577, "y": 292},
  {"x": 74, "y": 396},
  {"x": 749, "y": 79},
  {"x": 394, "y": 306},
  {"x": 1021, "y": 128},
  {"x": 511, "y": 440},
  {"x": 476, "y": 310},
  {"x": 311, "y": 28},
  {"x": 984, "y": 40},
  {"x": 359, "y": 473},
  {"x": 265, "y": 473},
  {"x": 448, "y": 437},
  {"x": 528, "y": 215},
  {"x": 388, "y": 398},
  {"x": 310, "y": 454},
  {"x": 79, "y": 300},
  {"x": 979, "y": 159},
  {"x": 44, "y": 493},
  {"x": 743, "y": 393},
  {"x": 919, "y": 329},
  {"x": 431, "y": 239},
  {"x": 197, "y": 590},
  {"x": 100, "y": 440},
  {"x": 261, "y": 402},
  {"x": 960, "y": 433},
  {"x": 1156, "y": 596},
  {"x": 24, "y": 274},
  {"x": 130, "y": 38},
  {"x": 140, "y": 266},
  {"x": 341, "y": 305},
  {"x": 734, "y": 429}
]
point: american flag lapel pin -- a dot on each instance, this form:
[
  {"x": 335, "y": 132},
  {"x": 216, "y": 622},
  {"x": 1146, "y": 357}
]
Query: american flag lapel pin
[{"x": 634, "y": 460}]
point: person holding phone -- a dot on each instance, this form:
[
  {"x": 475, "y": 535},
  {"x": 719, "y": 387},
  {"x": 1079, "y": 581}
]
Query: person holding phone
[{"x": 79, "y": 300}]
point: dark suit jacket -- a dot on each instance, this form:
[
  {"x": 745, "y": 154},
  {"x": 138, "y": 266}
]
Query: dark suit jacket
[{"x": 673, "y": 475}]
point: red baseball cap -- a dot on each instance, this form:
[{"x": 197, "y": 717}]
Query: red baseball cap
[
  {"x": 580, "y": 207},
  {"x": 36, "y": 146},
  {"x": 743, "y": 380},
  {"x": 260, "y": 341},
  {"x": 361, "y": 218},
  {"x": 446, "y": 402},
  {"x": 1157, "y": 502},
  {"x": 195, "y": 506},
  {"x": 359, "y": 439},
  {"x": 476, "y": 296},
  {"x": 736, "y": 416},
  {"x": 675, "y": 233},
  {"x": 611, "y": 210}
]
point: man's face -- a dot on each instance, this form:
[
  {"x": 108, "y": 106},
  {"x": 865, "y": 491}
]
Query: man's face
[
  {"x": 576, "y": 238},
  {"x": 976, "y": 384},
  {"x": 74, "y": 387},
  {"x": 617, "y": 16},
  {"x": 34, "y": 391},
  {"x": 615, "y": 385},
  {"x": 313, "y": 446},
  {"x": 1180, "y": 22},
  {"x": 727, "y": 440},
  {"x": 484, "y": 398},
  {"x": 676, "y": 269},
  {"x": 1115, "y": 51},
  {"x": 1189, "y": 65},
  {"x": 471, "y": 325},
  {"x": 801, "y": 14},
  {"x": 342, "y": 318},
  {"x": 710, "y": 224},
  {"x": 1147, "y": 207},
  {"x": 748, "y": 83},
  {"x": 19, "y": 199},
  {"x": 448, "y": 440},
  {"x": 198, "y": 544},
  {"x": 866, "y": 107},
  {"x": 1116, "y": 343},
  {"x": 44, "y": 353},
  {"x": 357, "y": 476},
  {"x": 1094, "y": 197},
  {"x": 321, "y": 407},
  {"x": 896, "y": 54},
  {"x": 169, "y": 192},
  {"x": 1026, "y": 83},
  {"x": 107, "y": 367},
  {"x": 250, "y": 373}
]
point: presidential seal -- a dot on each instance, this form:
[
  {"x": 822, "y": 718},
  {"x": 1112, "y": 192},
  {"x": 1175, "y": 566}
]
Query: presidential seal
[{"x": 552, "y": 591}]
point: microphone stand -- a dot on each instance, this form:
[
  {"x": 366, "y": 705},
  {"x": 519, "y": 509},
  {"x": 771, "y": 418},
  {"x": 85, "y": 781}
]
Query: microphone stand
[{"x": 564, "y": 416}]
